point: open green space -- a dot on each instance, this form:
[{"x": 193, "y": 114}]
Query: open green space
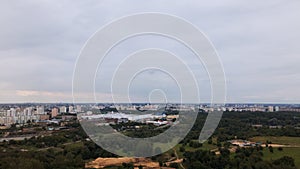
[
  {"x": 292, "y": 141},
  {"x": 287, "y": 151}
]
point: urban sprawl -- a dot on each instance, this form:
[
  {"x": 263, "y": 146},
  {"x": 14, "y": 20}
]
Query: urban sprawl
[{"x": 21, "y": 114}]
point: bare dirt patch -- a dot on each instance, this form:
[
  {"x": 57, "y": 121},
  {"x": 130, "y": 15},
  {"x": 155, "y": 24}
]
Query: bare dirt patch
[{"x": 105, "y": 162}]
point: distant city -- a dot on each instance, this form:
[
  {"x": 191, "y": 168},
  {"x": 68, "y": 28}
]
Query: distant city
[{"x": 21, "y": 114}]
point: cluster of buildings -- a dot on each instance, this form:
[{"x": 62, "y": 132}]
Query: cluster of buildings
[
  {"x": 246, "y": 107},
  {"x": 157, "y": 119},
  {"x": 22, "y": 115},
  {"x": 254, "y": 108},
  {"x": 244, "y": 143}
]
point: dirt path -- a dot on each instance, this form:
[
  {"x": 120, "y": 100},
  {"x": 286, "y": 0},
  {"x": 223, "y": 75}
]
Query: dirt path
[{"x": 178, "y": 160}]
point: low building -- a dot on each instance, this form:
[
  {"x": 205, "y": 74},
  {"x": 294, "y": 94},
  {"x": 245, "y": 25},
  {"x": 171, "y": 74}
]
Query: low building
[{"x": 243, "y": 143}]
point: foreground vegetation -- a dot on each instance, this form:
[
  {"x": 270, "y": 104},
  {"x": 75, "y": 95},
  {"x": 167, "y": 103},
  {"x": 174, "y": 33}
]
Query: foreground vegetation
[{"x": 71, "y": 149}]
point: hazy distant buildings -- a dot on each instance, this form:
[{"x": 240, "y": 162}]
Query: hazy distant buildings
[
  {"x": 291, "y": 109},
  {"x": 63, "y": 109},
  {"x": 23, "y": 115},
  {"x": 54, "y": 112},
  {"x": 17, "y": 116},
  {"x": 71, "y": 109},
  {"x": 78, "y": 108},
  {"x": 270, "y": 109},
  {"x": 40, "y": 110},
  {"x": 43, "y": 117},
  {"x": 20, "y": 114}
]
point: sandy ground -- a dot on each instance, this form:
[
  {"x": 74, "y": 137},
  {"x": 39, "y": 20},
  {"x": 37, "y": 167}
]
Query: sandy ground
[
  {"x": 276, "y": 145},
  {"x": 145, "y": 162},
  {"x": 104, "y": 162}
]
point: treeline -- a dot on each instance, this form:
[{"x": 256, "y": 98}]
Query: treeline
[
  {"x": 245, "y": 158},
  {"x": 62, "y": 150},
  {"x": 62, "y": 157},
  {"x": 239, "y": 124}
]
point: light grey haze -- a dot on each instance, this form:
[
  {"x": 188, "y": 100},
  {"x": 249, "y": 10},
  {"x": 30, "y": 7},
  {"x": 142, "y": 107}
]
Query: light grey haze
[{"x": 257, "y": 42}]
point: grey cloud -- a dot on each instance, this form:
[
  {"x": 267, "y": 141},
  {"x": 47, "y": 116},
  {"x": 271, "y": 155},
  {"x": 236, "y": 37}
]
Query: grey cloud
[{"x": 258, "y": 43}]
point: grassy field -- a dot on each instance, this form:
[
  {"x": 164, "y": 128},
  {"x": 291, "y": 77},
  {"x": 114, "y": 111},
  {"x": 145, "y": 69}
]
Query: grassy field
[
  {"x": 292, "y": 141},
  {"x": 293, "y": 151},
  {"x": 205, "y": 146},
  {"x": 288, "y": 151}
]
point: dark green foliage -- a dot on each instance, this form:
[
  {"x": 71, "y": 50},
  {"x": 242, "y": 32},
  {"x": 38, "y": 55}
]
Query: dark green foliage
[
  {"x": 182, "y": 149},
  {"x": 285, "y": 162},
  {"x": 174, "y": 165},
  {"x": 271, "y": 149},
  {"x": 56, "y": 151},
  {"x": 248, "y": 158},
  {"x": 195, "y": 144}
]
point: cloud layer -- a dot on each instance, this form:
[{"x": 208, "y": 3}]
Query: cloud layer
[{"x": 258, "y": 43}]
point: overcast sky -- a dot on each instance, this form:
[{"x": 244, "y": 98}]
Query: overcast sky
[{"x": 257, "y": 42}]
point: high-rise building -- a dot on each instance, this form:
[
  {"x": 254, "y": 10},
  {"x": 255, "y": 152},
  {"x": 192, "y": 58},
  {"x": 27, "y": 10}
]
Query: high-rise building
[
  {"x": 270, "y": 109},
  {"x": 63, "y": 109},
  {"x": 54, "y": 112},
  {"x": 28, "y": 111},
  {"x": 40, "y": 110},
  {"x": 70, "y": 109},
  {"x": 78, "y": 108}
]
